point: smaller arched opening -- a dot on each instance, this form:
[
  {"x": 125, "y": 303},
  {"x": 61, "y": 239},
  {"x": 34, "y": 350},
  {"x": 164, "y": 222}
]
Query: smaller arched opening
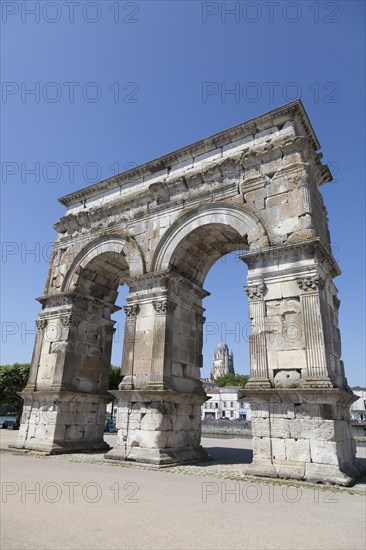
[
  {"x": 95, "y": 279},
  {"x": 96, "y": 291},
  {"x": 113, "y": 257}
]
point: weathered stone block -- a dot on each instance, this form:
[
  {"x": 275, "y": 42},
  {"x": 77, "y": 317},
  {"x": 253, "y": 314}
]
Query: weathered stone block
[
  {"x": 282, "y": 410},
  {"x": 298, "y": 450},
  {"x": 155, "y": 421},
  {"x": 262, "y": 447},
  {"x": 324, "y": 452},
  {"x": 327, "y": 430},
  {"x": 279, "y": 427},
  {"x": 326, "y": 473},
  {"x": 278, "y": 449},
  {"x": 276, "y": 200},
  {"x": 287, "y": 378},
  {"x": 290, "y": 470},
  {"x": 260, "y": 427},
  {"x": 291, "y": 359}
]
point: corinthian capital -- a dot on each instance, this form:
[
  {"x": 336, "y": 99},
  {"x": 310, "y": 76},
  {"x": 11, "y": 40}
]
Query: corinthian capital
[
  {"x": 41, "y": 324},
  {"x": 69, "y": 320},
  {"x": 164, "y": 307},
  {"x": 310, "y": 284},
  {"x": 131, "y": 311},
  {"x": 255, "y": 292}
]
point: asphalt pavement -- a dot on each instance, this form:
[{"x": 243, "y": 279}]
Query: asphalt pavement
[{"x": 58, "y": 503}]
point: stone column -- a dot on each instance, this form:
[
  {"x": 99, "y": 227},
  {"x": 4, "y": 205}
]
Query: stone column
[
  {"x": 132, "y": 312},
  {"x": 200, "y": 320},
  {"x": 257, "y": 342},
  {"x": 41, "y": 325},
  {"x": 62, "y": 376},
  {"x": 306, "y": 197},
  {"x": 310, "y": 287},
  {"x": 108, "y": 333},
  {"x": 162, "y": 344}
]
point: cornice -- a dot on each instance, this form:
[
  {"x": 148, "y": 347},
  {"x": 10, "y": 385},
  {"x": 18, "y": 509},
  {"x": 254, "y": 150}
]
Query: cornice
[
  {"x": 240, "y": 131},
  {"x": 69, "y": 297},
  {"x": 163, "y": 278},
  {"x": 290, "y": 250}
]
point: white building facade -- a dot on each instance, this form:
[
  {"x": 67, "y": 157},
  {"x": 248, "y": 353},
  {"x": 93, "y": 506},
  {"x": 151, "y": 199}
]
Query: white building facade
[
  {"x": 225, "y": 403},
  {"x": 358, "y": 408}
]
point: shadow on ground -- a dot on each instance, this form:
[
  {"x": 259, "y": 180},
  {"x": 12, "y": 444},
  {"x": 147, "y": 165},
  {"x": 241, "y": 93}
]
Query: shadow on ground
[{"x": 230, "y": 456}]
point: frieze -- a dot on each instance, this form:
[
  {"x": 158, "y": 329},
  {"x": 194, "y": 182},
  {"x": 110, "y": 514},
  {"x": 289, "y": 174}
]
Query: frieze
[
  {"x": 71, "y": 297},
  {"x": 164, "y": 280},
  {"x": 292, "y": 252}
]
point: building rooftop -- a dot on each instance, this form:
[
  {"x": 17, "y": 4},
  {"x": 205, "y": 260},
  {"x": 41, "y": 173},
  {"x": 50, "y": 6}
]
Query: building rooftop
[{"x": 224, "y": 389}]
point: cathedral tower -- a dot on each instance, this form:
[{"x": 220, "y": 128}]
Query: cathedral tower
[{"x": 223, "y": 361}]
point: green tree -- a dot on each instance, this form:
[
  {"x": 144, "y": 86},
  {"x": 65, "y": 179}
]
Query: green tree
[
  {"x": 232, "y": 380},
  {"x": 114, "y": 377},
  {"x": 13, "y": 378},
  {"x": 114, "y": 380}
]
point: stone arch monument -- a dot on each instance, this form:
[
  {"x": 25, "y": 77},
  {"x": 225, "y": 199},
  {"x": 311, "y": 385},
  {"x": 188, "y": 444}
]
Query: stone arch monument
[{"x": 158, "y": 228}]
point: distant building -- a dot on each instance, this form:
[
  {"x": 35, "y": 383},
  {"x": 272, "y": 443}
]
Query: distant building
[
  {"x": 223, "y": 361},
  {"x": 358, "y": 408},
  {"x": 227, "y": 402}
]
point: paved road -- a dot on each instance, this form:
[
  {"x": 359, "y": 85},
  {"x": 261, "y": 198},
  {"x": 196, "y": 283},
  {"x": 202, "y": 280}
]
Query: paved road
[{"x": 76, "y": 505}]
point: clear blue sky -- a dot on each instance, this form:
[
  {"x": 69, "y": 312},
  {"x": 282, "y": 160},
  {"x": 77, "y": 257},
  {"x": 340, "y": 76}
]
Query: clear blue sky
[{"x": 127, "y": 88}]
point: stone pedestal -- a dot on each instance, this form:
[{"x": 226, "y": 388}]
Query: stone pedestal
[
  {"x": 303, "y": 434},
  {"x": 62, "y": 422},
  {"x": 158, "y": 427}
]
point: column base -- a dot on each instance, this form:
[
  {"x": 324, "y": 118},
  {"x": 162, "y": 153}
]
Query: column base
[
  {"x": 62, "y": 422},
  {"x": 62, "y": 447},
  {"x": 258, "y": 383},
  {"x": 317, "y": 383},
  {"x": 304, "y": 434},
  {"x": 158, "y": 457},
  {"x": 159, "y": 427},
  {"x": 305, "y": 471}
]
